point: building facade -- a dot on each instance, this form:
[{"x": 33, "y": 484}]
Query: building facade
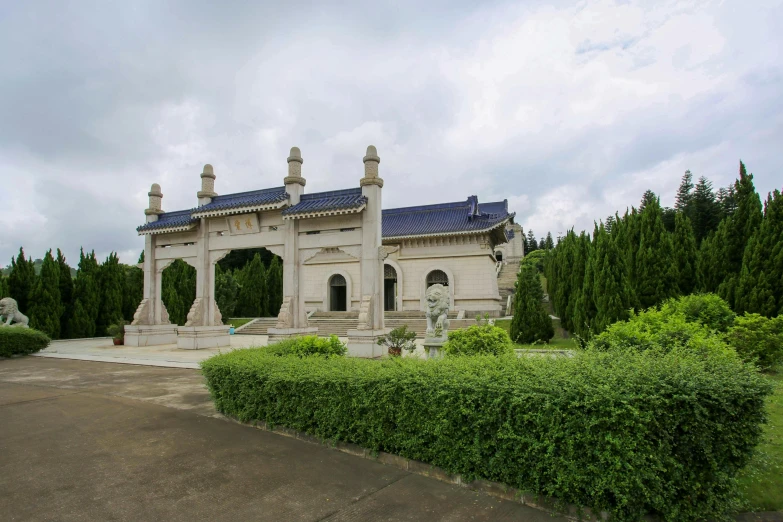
[{"x": 341, "y": 252}]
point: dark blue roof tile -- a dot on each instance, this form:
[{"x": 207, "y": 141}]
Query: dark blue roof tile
[
  {"x": 445, "y": 218},
  {"x": 180, "y": 218},
  {"x": 240, "y": 200},
  {"x": 335, "y": 200}
]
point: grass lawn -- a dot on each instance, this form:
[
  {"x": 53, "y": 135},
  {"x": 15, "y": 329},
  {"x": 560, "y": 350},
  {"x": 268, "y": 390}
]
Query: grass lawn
[
  {"x": 556, "y": 343},
  {"x": 762, "y": 481},
  {"x": 236, "y": 323}
]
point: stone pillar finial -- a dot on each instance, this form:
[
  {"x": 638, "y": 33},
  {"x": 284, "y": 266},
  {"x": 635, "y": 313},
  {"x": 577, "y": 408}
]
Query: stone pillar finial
[
  {"x": 295, "y": 167},
  {"x": 207, "y": 183},
  {"x": 371, "y": 161},
  {"x": 154, "y": 209}
]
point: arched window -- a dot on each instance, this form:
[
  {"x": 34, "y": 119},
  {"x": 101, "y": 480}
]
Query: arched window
[
  {"x": 338, "y": 294},
  {"x": 499, "y": 255},
  {"x": 437, "y": 277}
]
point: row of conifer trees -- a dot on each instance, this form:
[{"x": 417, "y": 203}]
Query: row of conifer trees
[
  {"x": 723, "y": 243},
  {"x": 107, "y": 293}
]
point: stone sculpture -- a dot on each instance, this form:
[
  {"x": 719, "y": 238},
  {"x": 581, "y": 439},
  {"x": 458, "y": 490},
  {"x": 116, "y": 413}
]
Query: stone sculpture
[
  {"x": 437, "y": 297},
  {"x": 10, "y": 314},
  {"x": 366, "y": 311}
]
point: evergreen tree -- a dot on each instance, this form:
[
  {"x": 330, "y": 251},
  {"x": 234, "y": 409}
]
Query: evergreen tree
[
  {"x": 4, "y": 290},
  {"x": 585, "y": 310},
  {"x": 656, "y": 277},
  {"x": 45, "y": 307},
  {"x": 134, "y": 291},
  {"x": 727, "y": 200},
  {"x": 253, "y": 298},
  {"x": 226, "y": 292},
  {"x": 581, "y": 255},
  {"x": 112, "y": 287},
  {"x": 610, "y": 220},
  {"x": 683, "y": 200},
  {"x": 704, "y": 210},
  {"x": 668, "y": 217},
  {"x": 274, "y": 284},
  {"x": 611, "y": 290},
  {"x": 760, "y": 286},
  {"x": 741, "y": 227},
  {"x": 21, "y": 281},
  {"x": 530, "y": 245},
  {"x": 530, "y": 322},
  {"x": 548, "y": 243},
  {"x": 685, "y": 254},
  {"x": 87, "y": 298},
  {"x": 179, "y": 290},
  {"x": 66, "y": 293},
  {"x": 647, "y": 198}
]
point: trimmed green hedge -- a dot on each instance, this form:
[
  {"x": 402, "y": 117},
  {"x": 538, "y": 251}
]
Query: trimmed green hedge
[
  {"x": 479, "y": 339},
  {"x": 307, "y": 345},
  {"x": 628, "y": 432},
  {"x": 21, "y": 341}
]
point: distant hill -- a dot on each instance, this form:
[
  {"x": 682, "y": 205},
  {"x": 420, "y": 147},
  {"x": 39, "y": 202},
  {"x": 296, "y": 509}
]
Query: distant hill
[{"x": 37, "y": 265}]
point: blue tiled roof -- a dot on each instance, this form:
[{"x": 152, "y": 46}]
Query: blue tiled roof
[
  {"x": 244, "y": 199},
  {"x": 464, "y": 216},
  {"x": 327, "y": 201},
  {"x": 180, "y": 218}
]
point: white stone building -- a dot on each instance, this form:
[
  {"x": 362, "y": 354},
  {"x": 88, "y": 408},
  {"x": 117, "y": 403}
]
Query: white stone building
[{"x": 340, "y": 252}]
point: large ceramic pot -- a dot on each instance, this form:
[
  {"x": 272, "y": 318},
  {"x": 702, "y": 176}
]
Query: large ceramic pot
[{"x": 118, "y": 342}]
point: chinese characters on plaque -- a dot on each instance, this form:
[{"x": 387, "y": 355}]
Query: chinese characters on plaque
[{"x": 244, "y": 224}]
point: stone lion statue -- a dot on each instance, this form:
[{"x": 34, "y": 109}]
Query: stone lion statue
[
  {"x": 9, "y": 313},
  {"x": 437, "y": 297}
]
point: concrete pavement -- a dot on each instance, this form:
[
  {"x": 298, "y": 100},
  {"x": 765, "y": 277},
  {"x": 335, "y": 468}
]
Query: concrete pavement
[{"x": 96, "y": 441}]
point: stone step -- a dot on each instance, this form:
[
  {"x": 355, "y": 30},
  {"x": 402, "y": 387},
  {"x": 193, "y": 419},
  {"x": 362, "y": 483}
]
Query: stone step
[{"x": 340, "y": 327}]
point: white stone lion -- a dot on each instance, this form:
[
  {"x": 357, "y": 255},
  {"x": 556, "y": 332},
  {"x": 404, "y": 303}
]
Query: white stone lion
[
  {"x": 9, "y": 313},
  {"x": 437, "y": 297}
]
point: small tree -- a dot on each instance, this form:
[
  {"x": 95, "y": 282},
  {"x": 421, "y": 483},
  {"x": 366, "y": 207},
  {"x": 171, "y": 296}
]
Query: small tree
[
  {"x": 226, "y": 290},
  {"x": 45, "y": 307},
  {"x": 398, "y": 340},
  {"x": 531, "y": 322}
]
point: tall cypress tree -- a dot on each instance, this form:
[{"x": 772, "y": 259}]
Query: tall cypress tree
[
  {"x": 226, "y": 292},
  {"x": 86, "y": 295},
  {"x": 112, "y": 287},
  {"x": 530, "y": 322},
  {"x": 253, "y": 296},
  {"x": 685, "y": 254},
  {"x": 656, "y": 277},
  {"x": 612, "y": 293},
  {"x": 66, "y": 293},
  {"x": 134, "y": 291},
  {"x": 760, "y": 286},
  {"x": 741, "y": 227},
  {"x": 549, "y": 244},
  {"x": 581, "y": 255},
  {"x": 45, "y": 307},
  {"x": 274, "y": 284},
  {"x": 179, "y": 290},
  {"x": 531, "y": 245},
  {"x": 21, "y": 280},
  {"x": 4, "y": 290}
]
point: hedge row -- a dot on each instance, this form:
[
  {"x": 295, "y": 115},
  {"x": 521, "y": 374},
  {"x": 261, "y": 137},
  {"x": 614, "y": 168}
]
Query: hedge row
[
  {"x": 21, "y": 341},
  {"x": 627, "y": 432}
]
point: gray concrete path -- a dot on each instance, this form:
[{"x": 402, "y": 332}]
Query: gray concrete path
[{"x": 98, "y": 441}]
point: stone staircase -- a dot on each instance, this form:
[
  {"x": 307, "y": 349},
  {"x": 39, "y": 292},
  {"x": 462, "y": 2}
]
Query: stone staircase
[
  {"x": 338, "y": 323},
  {"x": 506, "y": 280}
]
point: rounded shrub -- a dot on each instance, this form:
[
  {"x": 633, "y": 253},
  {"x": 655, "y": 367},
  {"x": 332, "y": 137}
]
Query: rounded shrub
[
  {"x": 758, "y": 339},
  {"x": 482, "y": 339},
  {"x": 21, "y": 341},
  {"x": 706, "y": 309}
]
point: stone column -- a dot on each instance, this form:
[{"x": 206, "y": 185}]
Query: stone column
[
  {"x": 362, "y": 341},
  {"x": 204, "y": 327},
  {"x": 151, "y": 325},
  {"x": 292, "y": 317}
]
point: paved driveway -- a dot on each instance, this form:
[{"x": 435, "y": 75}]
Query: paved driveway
[{"x": 97, "y": 441}]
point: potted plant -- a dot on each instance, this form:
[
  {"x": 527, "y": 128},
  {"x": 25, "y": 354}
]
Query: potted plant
[
  {"x": 398, "y": 340},
  {"x": 117, "y": 331}
]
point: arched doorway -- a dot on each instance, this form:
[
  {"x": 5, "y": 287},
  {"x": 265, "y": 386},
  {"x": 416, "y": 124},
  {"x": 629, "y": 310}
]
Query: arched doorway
[
  {"x": 437, "y": 277},
  {"x": 389, "y": 288},
  {"x": 338, "y": 294},
  {"x": 499, "y": 255}
]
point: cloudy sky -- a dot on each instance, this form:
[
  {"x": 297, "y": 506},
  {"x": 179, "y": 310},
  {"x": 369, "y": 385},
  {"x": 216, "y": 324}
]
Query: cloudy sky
[{"x": 570, "y": 110}]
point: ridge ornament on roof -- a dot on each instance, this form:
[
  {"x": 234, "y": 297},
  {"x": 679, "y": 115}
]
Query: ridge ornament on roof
[{"x": 347, "y": 201}]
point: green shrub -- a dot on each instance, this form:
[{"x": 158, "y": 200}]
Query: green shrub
[
  {"x": 308, "y": 345},
  {"x": 481, "y": 339},
  {"x": 21, "y": 341},
  {"x": 628, "y": 432},
  {"x": 707, "y": 309},
  {"x": 758, "y": 339},
  {"x": 661, "y": 331},
  {"x": 397, "y": 340}
]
